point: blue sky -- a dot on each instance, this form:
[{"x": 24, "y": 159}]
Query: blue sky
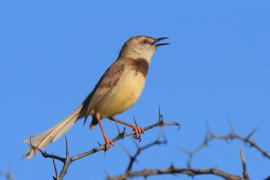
[{"x": 217, "y": 68}]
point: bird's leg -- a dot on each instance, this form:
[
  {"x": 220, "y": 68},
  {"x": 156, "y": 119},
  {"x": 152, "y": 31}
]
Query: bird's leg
[
  {"x": 137, "y": 130},
  {"x": 108, "y": 142}
]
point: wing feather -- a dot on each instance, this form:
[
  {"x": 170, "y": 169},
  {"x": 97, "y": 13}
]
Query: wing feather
[{"x": 110, "y": 79}]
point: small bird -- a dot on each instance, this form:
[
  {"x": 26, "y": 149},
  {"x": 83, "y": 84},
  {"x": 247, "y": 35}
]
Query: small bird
[{"x": 116, "y": 91}]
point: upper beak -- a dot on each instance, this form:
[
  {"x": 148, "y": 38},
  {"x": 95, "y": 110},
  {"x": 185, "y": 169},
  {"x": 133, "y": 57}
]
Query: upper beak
[{"x": 158, "y": 40}]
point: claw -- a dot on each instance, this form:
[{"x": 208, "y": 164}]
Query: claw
[
  {"x": 108, "y": 144},
  {"x": 137, "y": 132}
]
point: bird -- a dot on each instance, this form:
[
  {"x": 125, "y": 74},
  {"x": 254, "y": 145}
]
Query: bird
[{"x": 117, "y": 90}]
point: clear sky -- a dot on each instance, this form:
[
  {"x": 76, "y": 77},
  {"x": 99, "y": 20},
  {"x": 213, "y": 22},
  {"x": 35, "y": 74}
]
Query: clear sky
[{"x": 217, "y": 68}]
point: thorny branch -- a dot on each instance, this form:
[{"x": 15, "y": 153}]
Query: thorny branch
[
  {"x": 133, "y": 158},
  {"x": 171, "y": 170},
  {"x": 67, "y": 160},
  {"x": 174, "y": 171},
  {"x": 230, "y": 136},
  {"x": 189, "y": 171}
]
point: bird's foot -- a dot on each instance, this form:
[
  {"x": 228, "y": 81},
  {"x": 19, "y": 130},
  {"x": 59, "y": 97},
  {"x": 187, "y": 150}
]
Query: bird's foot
[
  {"x": 108, "y": 143},
  {"x": 137, "y": 132}
]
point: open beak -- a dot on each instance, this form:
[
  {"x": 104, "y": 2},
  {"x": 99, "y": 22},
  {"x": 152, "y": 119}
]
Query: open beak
[{"x": 158, "y": 40}]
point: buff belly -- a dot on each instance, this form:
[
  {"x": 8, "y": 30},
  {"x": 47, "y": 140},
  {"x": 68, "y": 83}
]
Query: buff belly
[{"x": 122, "y": 96}]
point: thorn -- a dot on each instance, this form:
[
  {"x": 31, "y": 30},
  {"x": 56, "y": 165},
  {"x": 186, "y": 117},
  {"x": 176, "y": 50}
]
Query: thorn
[
  {"x": 160, "y": 116},
  {"x": 231, "y": 129},
  {"x": 251, "y": 133},
  {"x": 55, "y": 169},
  {"x": 124, "y": 130},
  {"x": 209, "y": 131},
  {"x": 122, "y": 133},
  {"x": 206, "y": 140},
  {"x": 172, "y": 167},
  {"x": 67, "y": 149},
  {"x": 135, "y": 121},
  {"x": 118, "y": 129}
]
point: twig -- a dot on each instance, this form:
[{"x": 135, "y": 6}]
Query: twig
[
  {"x": 171, "y": 170},
  {"x": 121, "y": 136},
  {"x": 231, "y": 135},
  {"x": 246, "y": 139},
  {"x": 67, "y": 163},
  {"x": 139, "y": 150},
  {"x": 183, "y": 171},
  {"x": 244, "y": 165},
  {"x": 55, "y": 170},
  {"x": 67, "y": 160}
]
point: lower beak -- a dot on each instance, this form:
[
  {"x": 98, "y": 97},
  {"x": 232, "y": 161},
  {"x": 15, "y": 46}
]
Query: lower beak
[{"x": 158, "y": 40}]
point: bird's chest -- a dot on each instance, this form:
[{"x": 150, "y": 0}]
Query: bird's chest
[
  {"x": 124, "y": 94},
  {"x": 130, "y": 87}
]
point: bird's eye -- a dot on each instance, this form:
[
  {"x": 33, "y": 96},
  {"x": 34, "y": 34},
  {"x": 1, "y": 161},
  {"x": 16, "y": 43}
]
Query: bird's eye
[{"x": 145, "y": 41}]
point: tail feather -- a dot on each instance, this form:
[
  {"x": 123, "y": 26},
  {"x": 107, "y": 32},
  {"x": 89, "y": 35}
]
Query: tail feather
[{"x": 42, "y": 140}]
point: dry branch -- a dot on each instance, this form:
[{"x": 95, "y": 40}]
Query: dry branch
[
  {"x": 174, "y": 171},
  {"x": 244, "y": 165},
  {"x": 171, "y": 170},
  {"x": 230, "y": 136},
  {"x": 189, "y": 171},
  {"x": 67, "y": 160}
]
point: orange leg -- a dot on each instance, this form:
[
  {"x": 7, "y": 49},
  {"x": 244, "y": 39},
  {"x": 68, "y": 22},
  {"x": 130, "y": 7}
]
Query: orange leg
[
  {"x": 137, "y": 130},
  {"x": 108, "y": 142}
]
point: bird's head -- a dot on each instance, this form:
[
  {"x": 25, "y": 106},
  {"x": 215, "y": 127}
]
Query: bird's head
[{"x": 141, "y": 47}]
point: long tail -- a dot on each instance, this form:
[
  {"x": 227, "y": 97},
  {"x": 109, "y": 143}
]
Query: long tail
[{"x": 43, "y": 139}]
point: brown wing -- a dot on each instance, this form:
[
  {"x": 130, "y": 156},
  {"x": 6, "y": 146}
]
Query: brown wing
[{"x": 110, "y": 79}]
